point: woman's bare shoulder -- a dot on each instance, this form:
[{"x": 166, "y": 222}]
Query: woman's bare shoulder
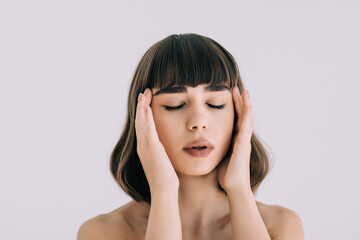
[
  {"x": 107, "y": 226},
  {"x": 281, "y": 222}
]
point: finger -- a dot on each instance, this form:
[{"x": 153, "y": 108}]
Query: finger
[
  {"x": 139, "y": 116},
  {"x": 247, "y": 122},
  {"x": 148, "y": 96},
  {"x": 142, "y": 104},
  {"x": 137, "y": 112},
  {"x": 238, "y": 106},
  {"x": 149, "y": 118},
  {"x": 146, "y": 102}
]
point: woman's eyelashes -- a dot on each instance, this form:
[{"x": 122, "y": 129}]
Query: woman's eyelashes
[
  {"x": 173, "y": 108},
  {"x": 168, "y": 108}
]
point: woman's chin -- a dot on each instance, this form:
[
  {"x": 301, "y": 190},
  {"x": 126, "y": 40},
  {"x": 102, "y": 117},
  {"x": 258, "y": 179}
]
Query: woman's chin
[{"x": 195, "y": 171}]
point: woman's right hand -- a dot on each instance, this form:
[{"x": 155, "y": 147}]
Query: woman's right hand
[{"x": 158, "y": 169}]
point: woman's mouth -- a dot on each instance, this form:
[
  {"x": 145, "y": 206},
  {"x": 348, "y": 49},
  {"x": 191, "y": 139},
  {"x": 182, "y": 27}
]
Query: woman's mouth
[{"x": 198, "y": 151}]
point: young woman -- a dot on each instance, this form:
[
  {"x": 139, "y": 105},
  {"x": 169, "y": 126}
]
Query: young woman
[{"x": 188, "y": 155}]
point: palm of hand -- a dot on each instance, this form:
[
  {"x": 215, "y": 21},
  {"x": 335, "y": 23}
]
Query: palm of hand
[
  {"x": 154, "y": 160},
  {"x": 234, "y": 171}
]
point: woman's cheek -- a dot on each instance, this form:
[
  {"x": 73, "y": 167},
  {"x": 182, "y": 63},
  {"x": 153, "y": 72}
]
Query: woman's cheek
[
  {"x": 227, "y": 115},
  {"x": 165, "y": 125},
  {"x": 228, "y": 120}
]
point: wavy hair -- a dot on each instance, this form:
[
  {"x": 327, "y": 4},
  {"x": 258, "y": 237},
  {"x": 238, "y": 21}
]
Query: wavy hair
[{"x": 183, "y": 60}]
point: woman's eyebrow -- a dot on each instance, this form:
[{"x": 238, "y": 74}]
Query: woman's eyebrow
[
  {"x": 216, "y": 88},
  {"x": 170, "y": 90},
  {"x": 209, "y": 88}
]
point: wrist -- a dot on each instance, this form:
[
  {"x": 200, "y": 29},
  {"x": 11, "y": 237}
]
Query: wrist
[
  {"x": 236, "y": 190},
  {"x": 165, "y": 191}
]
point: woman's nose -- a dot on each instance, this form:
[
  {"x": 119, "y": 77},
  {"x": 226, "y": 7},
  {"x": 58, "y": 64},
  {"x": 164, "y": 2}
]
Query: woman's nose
[{"x": 197, "y": 123}]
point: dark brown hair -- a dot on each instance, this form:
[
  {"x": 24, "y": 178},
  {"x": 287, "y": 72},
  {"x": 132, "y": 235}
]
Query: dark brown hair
[{"x": 182, "y": 60}]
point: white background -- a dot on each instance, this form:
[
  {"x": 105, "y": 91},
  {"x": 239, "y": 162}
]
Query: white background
[{"x": 65, "y": 70}]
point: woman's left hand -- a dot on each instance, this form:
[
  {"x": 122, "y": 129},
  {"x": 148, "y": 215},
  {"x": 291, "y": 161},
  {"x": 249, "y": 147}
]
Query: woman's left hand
[{"x": 234, "y": 172}]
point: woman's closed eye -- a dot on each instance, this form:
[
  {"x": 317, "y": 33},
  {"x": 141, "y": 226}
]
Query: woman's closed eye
[{"x": 180, "y": 106}]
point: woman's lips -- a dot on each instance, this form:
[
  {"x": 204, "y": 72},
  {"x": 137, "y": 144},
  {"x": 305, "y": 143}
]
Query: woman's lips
[{"x": 198, "y": 152}]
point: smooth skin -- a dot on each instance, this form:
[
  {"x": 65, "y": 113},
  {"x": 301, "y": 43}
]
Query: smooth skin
[
  {"x": 157, "y": 166},
  {"x": 249, "y": 219},
  {"x": 160, "y": 174},
  {"x": 235, "y": 172}
]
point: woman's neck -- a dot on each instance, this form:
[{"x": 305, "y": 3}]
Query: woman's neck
[{"x": 202, "y": 205}]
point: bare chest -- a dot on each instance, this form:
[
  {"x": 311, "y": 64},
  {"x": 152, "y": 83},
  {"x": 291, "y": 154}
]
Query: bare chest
[
  {"x": 138, "y": 233},
  {"x": 224, "y": 234}
]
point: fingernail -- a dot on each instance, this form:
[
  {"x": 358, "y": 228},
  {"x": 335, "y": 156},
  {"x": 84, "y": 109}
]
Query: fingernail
[
  {"x": 139, "y": 97},
  {"x": 237, "y": 89},
  {"x": 248, "y": 94},
  {"x": 146, "y": 91}
]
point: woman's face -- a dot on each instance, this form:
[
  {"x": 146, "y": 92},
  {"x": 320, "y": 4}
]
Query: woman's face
[{"x": 201, "y": 114}]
